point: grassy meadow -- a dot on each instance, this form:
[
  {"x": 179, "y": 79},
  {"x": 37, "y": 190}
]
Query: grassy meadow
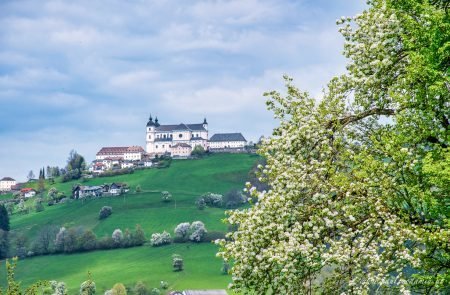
[{"x": 186, "y": 180}]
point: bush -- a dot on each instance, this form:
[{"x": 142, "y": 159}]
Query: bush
[
  {"x": 164, "y": 285},
  {"x": 105, "y": 243},
  {"x": 38, "y": 207},
  {"x": 213, "y": 235},
  {"x": 104, "y": 212},
  {"x": 234, "y": 199},
  {"x": 201, "y": 204},
  {"x": 198, "y": 151},
  {"x": 166, "y": 196},
  {"x": 198, "y": 231},
  {"x": 155, "y": 291},
  {"x": 138, "y": 188},
  {"x": 140, "y": 289},
  {"x": 119, "y": 289},
  {"x": 213, "y": 200},
  {"x": 177, "y": 262},
  {"x": 159, "y": 239}
]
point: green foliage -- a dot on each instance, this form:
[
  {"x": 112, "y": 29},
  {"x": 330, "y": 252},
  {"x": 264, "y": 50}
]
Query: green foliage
[
  {"x": 360, "y": 200},
  {"x": 177, "y": 262},
  {"x": 140, "y": 288},
  {"x": 13, "y": 287},
  {"x": 198, "y": 151},
  {"x": 119, "y": 289},
  {"x": 4, "y": 218},
  {"x": 88, "y": 286},
  {"x": 105, "y": 212},
  {"x": 138, "y": 188}
]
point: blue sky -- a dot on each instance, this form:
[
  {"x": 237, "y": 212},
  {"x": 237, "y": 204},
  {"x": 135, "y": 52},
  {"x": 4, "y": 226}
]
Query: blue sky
[{"x": 86, "y": 74}]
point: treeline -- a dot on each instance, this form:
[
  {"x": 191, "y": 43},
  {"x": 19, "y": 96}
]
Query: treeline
[{"x": 51, "y": 240}]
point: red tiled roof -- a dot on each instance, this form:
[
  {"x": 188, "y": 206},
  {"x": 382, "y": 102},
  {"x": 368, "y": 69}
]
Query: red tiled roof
[{"x": 26, "y": 190}]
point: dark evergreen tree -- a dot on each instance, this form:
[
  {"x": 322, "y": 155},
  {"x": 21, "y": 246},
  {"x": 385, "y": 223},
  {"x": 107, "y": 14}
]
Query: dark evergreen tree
[{"x": 4, "y": 218}]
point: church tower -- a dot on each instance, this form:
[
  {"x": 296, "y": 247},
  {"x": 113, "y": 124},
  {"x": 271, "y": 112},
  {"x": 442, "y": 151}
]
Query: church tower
[{"x": 150, "y": 136}]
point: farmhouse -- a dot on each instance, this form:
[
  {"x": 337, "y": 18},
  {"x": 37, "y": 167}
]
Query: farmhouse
[
  {"x": 6, "y": 183},
  {"x": 27, "y": 192},
  {"x": 134, "y": 153},
  {"x": 222, "y": 141},
  {"x": 161, "y": 139}
]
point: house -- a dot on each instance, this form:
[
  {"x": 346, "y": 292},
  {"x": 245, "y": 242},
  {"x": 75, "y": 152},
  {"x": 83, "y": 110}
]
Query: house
[
  {"x": 116, "y": 189},
  {"x": 133, "y": 153},
  {"x": 222, "y": 141},
  {"x": 181, "y": 150},
  {"x": 127, "y": 164},
  {"x": 160, "y": 139},
  {"x": 27, "y": 192},
  {"x": 80, "y": 191},
  {"x": 6, "y": 183}
]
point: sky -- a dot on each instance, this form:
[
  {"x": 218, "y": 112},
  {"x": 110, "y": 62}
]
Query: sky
[{"x": 85, "y": 74}]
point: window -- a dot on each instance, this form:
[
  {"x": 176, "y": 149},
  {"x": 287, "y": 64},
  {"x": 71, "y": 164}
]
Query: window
[
  {"x": 180, "y": 135},
  {"x": 163, "y": 146},
  {"x": 156, "y": 146}
]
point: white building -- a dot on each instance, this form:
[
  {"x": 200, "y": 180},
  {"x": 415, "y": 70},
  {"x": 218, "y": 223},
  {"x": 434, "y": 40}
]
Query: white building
[
  {"x": 182, "y": 150},
  {"x": 133, "y": 153},
  {"x": 161, "y": 139},
  {"x": 6, "y": 183},
  {"x": 227, "y": 141}
]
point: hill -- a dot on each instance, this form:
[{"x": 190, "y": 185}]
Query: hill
[{"x": 185, "y": 179}]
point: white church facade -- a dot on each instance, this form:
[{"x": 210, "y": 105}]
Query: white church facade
[{"x": 176, "y": 140}]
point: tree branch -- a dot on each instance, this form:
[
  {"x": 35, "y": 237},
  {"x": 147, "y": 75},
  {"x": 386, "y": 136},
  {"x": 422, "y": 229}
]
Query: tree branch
[{"x": 354, "y": 118}]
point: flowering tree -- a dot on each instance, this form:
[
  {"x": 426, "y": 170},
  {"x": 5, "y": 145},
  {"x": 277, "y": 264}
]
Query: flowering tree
[
  {"x": 356, "y": 194},
  {"x": 117, "y": 237},
  {"x": 198, "y": 231},
  {"x": 182, "y": 229}
]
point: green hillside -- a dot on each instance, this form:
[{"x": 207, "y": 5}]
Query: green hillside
[
  {"x": 186, "y": 180},
  {"x": 148, "y": 264}
]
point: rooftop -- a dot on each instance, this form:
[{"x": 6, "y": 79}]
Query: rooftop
[
  {"x": 227, "y": 137},
  {"x": 7, "y": 179}
]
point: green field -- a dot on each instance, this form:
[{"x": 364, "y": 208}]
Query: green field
[
  {"x": 186, "y": 180},
  {"x": 148, "y": 264}
]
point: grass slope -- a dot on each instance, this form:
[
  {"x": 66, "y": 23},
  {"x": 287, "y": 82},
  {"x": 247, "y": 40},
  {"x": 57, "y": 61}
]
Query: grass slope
[
  {"x": 147, "y": 264},
  {"x": 186, "y": 180}
]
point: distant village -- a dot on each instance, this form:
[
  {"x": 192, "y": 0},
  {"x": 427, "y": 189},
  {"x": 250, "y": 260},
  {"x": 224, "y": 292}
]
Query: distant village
[{"x": 177, "y": 141}]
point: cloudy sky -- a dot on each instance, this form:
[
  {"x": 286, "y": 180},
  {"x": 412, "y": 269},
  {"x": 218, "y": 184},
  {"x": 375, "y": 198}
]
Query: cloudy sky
[{"x": 86, "y": 74}]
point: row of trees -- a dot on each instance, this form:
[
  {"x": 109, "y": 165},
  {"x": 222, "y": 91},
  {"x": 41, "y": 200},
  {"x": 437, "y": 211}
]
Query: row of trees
[{"x": 233, "y": 199}]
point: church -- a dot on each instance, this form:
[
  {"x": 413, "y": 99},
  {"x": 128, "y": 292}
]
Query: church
[{"x": 177, "y": 140}]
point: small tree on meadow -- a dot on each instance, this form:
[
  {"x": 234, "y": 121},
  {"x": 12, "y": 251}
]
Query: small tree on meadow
[
  {"x": 166, "y": 196},
  {"x": 155, "y": 291},
  {"x": 177, "y": 262},
  {"x": 104, "y": 212},
  {"x": 138, "y": 188}
]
